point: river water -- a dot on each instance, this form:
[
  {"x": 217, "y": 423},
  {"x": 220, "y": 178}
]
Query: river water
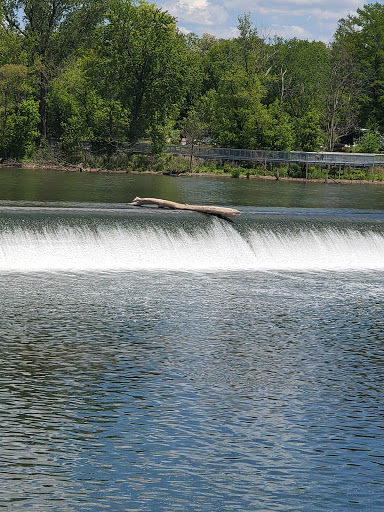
[{"x": 167, "y": 361}]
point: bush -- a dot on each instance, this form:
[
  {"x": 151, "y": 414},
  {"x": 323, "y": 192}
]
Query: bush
[{"x": 295, "y": 171}]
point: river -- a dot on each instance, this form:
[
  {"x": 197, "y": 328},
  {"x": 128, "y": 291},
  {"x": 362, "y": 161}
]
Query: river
[{"x": 166, "y": 361}]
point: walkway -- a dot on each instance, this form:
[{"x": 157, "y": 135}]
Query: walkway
[{"x": 254, "y": 155}]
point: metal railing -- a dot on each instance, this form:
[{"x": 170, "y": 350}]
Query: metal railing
[{"x": 263, "y": 156}]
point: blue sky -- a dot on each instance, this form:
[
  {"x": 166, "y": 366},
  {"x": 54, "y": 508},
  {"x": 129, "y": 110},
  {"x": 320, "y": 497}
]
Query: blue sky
[{"x": 304, "y": 19}]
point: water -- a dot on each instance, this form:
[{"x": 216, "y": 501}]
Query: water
[
  {"x": 33, "y": 186},
  {"x": 105, "y": 240},
  {"x": 166, "y": 361}
]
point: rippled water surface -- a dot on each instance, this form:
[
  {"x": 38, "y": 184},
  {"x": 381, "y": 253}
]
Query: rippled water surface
[
  {"x": 191, "y": 391},
  {"x": 166, "y": 362}
]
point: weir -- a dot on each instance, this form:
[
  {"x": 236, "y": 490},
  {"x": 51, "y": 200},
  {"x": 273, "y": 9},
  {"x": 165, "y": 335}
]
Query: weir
[{"x": 97, "y": 242}]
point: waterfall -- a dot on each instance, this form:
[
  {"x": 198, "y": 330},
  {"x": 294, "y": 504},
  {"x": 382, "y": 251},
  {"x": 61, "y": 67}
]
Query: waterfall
[{"x": 218, "y": 246}]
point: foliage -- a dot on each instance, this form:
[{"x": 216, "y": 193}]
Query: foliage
[
  {"x": 142, "y": 57},
  {"x": 278, "y": 131},
  {"x": 78, "y": 110},
  {"x": 47, "y": 31},
  {"x": 236, "y": 112},
  {"x": 362, "y": 36},
  {"x": 309, "y": 133},
  {"x": 299, "y": 75},
  {"x": 18, "y": 112},
  {"x": 341, "y": 96},
  {"x": 117, "y": 71},
  {"x": 369, "y": 142}
]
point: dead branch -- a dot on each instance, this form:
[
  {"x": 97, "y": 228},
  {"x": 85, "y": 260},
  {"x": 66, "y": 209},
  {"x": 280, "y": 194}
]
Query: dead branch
[{"x": 224, "y": 213}]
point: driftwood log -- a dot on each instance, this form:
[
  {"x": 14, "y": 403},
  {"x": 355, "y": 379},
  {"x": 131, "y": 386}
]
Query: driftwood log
[{"x": 223, "y": 213}]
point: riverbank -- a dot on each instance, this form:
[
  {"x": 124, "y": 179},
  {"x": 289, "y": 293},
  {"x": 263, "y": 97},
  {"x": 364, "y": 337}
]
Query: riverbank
[{"x": 202, "y": 173}]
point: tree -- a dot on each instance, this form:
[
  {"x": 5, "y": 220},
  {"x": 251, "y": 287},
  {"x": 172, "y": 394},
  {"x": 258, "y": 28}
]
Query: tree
[
  {"x": 299, "y": 75},
  {"x": 248, "y": 53},
  {"x": 49, "y": 29},
  {"x": 362, "y": 37},
  {"x": 278, "y": 132},
  {"x": 256, "y": 55},
  {"x": 193, "y": 127},
  {"x": 309, "y": 131},
  {"x": 235, "y": 81},
  {"x": 78, "y": 110},
  {"x": 341, "y": 95},
  {"x": 11, "y": 51},
  {"x": 18, "y": 112},
  {"x": 370, "y": 142},
  {"x": 146, "y": 55},
  {"x": 235, "y": 111}
]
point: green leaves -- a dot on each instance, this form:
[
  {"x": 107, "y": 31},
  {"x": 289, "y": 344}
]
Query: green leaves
[
  {"x": 370, "y": 142},
  {"x": 142, "y": 45},
  {"x": 19, "y": 112},
  {"x": 362, "y": 37},
  {"x": 117, "y": 70}
]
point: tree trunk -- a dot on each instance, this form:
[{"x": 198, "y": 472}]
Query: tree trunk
[
  {"x": 224, "y": 213},
  {"x": 43, "y": 108}
]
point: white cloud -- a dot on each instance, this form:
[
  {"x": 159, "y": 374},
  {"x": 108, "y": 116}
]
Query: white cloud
[
  {"x": 292, "y": 6},
  {"x": 304, "y": 19},
  {"x": 184, "y": 30},
  {"x": 197, "y": 12},
  {"x": 290, "y": 31},
  {"x": 227, "y": 32}
]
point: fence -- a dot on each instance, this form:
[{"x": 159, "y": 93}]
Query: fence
[{"x": 255, "y": 155}]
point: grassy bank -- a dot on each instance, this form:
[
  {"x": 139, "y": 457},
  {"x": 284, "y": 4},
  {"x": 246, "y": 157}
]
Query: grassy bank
[{"x": 86, "y": 161}]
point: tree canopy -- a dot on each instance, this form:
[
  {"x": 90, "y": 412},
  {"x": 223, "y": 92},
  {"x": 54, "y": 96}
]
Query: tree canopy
[{"x": 118, "y": 71}]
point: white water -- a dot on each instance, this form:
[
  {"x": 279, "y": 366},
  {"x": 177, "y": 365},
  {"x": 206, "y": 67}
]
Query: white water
[{"x": 220, "y": 247}]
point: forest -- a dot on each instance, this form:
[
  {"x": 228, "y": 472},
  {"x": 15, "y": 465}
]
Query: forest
[{"x": 119, "y": 71}]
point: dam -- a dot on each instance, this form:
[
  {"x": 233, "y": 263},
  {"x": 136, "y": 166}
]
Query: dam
[{"x": 160, "y": 360}]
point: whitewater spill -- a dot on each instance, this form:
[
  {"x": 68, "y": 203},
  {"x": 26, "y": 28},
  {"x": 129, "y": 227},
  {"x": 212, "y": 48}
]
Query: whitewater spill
[{"x": 215, "y": 247}]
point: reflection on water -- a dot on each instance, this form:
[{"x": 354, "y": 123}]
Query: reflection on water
[
  {"x": 33, "y": 185},
  {"x": 191, "y": 391}
]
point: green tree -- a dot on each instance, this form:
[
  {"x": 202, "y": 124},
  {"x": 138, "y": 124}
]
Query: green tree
[
  {"x": 11, "y": 47},
  {"x": 142, "y": 49},
  {"x": 193, "y": 127},
  {"x": 77, "y": 109},
  {"x": 257, "y": 55},
  {"x": 49, "y": 29},
  {"x": 236, "y": 113},
  {"x": 309, "y": 131},
  {"x": 299, "y": 75},
  {"x": 278, "y": 132},
  {"x": 235, "y": 77},
  {"x": 248, "y": 53},
  {"x": 362, "y": 37},
  {"x": 18, "y": 112},
  {"x": 341, "y": 95},
  {"x": 370, "y": 142}
]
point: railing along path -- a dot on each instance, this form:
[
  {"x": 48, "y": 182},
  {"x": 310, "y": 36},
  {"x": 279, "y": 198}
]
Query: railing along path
[{"x": 264, "y": 156}]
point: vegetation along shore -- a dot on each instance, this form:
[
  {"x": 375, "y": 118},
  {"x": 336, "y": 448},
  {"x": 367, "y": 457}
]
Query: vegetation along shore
[
  {"x": 110, "y": 73},
  {"x": 216, "y": 170}
]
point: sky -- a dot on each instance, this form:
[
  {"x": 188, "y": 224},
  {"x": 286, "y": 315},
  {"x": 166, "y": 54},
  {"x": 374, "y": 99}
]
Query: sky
[{"x": 315, "y": 20}]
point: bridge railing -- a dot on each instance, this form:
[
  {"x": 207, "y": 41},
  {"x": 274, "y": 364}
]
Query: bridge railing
[{"x": 264, "y": 156}]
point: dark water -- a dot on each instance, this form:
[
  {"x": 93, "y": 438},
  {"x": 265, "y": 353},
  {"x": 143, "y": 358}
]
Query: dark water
[
  {"x": 158, "y": 361},
  {"x": 35, "y": 185}
]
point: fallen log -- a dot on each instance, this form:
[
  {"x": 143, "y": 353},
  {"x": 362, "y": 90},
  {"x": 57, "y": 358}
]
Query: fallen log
[{"x": 223, "y": 213}]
